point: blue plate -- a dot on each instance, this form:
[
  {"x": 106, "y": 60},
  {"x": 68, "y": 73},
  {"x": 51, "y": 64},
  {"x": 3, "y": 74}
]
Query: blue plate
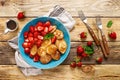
[{"x": 52, "y": 63}]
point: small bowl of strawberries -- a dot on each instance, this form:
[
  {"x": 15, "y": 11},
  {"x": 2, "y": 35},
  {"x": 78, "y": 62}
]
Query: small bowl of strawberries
[{"x": 44, "y": 42}]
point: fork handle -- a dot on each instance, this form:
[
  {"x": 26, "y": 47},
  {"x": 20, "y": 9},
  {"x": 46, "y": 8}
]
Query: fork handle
[
  {"x": 92, "y": 34},
  {"x": 105, "y": 44},
  {"x": 103, "y": 49}
]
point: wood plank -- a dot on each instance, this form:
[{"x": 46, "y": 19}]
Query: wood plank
[
  {"x": 64, "y": 72},
  {"x": 74, "y": 34},
  {"x": 108, "y": 8},
  {"x": 7, "y": 54}
]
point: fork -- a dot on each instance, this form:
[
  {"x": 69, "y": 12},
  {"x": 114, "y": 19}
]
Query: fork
[
  {"x": 99, "y": 25},
  {"x": 84, "y": 19}
]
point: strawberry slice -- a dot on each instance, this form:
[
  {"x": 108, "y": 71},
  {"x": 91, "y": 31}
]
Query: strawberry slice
[
  {"x": 25, "y": 45},
  {"x": 39, "y": 42},
  {"x": 30, "y": 34},
  {"x": 39, "y": 24},
  {"x": 26, "y": 40},
  {"x": 35, "y": 34},
  {"x": 36, "y": 58},
  {"x": 31, "y": 29},
  {"x": 27, "y": 50},
  {"x": 47, "y": 24},
  {"x": 43, "y": 33},
  {"x": 40, "y": 37},
  {"x": 46, "y": 30},
  {"x": 25, "y": 34},
  {"x": 53, "y": 40},
  {"x": 40, "y": 28}
]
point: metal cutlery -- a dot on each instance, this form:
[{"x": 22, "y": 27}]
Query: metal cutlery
[
  {"x": 84, "y": 19},
  {"x": 104, "y": 42}
]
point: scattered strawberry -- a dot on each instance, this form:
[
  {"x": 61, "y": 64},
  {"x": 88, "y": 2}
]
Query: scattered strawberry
[
  {"x": 112, "y": 35},
  {"x": 89, "y": 43},
  {"x": 20, "y": 15},
  {"x": 99, "y": 60},
  {"x": 80, "y": 50},
  {"x": 79, "y": 64},
  {"x": 83, "y": 35},
  {"x": 73, "y": 64},
  {"x": 84, "y": 55}
]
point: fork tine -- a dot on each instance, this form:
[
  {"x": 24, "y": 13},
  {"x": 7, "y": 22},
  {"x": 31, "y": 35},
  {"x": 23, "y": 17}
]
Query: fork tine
[{"x": 81, "y": 15}]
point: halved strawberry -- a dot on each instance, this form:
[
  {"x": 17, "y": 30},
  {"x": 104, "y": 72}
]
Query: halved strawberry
[
  {"x": 27, "y": 50},
  {"x": 35, "y": 34},
  {"x": 50, "y": 28},
  {"x": 40, "y": 37},
  {"x": 36, "y": 58},
  {"x": 53, "y": 40},
  {"x": 47, "y": 24},
  {"x": 25, "y": 45},
  {"x": 38, "y": 43},
  {"x": 31, "y": 39},
  {"x": 40, "y": 28},
  {"x": 30, "y": 34},
  {"x": 46, "y": 29},
  {"x": 26, "y": 40},
  {"x": 31, "y": 29},
  {"x": 43, "y": 33},
  {"x": 39, "y": 24},
  {"x": 26, "y": 34}
]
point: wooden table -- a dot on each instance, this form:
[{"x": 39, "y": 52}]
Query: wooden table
[{"x": 107, "y": 9}]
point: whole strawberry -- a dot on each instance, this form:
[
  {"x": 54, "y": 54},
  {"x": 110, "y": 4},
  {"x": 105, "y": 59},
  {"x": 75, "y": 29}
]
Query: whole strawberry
[
  {"x": 89, "y": 43},
  {"x": 80, "y": 50},
  {"x": 84, "y": 55},
  {"x": 20, "y": 15},
  {"x": 73, "y": 64},
  {"x": 83, "y": 35},
  {"x": 99, "y": 60},
  {"x": 79, "y": 64},
  {"x": 112, "y": 35}
]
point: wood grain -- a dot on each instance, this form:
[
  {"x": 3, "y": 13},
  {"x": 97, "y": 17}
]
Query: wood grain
[
  {"x": 92, "y": 8},
  {"x": 74, "y": 34},
  {"x": 7, "y": 54},
  {"x": 99, "y": 72}
]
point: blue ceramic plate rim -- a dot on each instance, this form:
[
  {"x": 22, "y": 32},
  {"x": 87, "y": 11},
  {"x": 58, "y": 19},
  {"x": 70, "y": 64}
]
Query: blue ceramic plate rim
[{"x": 53, "y": 63}]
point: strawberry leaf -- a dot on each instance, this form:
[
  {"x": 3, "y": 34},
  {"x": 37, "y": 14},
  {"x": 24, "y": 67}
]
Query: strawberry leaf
[{"x": 109, "y": 24}]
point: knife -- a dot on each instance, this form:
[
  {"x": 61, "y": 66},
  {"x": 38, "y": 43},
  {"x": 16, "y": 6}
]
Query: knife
[
  {"x": 99, "y": 25},
  {"x": 84, "y": 19}
]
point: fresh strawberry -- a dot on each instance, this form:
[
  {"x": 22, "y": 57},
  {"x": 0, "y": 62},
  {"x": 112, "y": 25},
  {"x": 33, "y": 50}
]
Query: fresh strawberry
[
  {"x": 84, "y": 55},
  {"x": 35, "y": 34},
  {"x": 83, "y": 35},
  {"x": 73, "y": 64},
  {"x": 31, "y": 29},
  {"x": 36, "y": 58},
  {"x": 39, "y": 42},
  {"x": 26, "y": 40},
  {"x": 99, "y": 60},
  {"x": 46, "y": 29},
  {"x": 80, "y": 50},
  {"x": 112, "y": 35},
  {"x": 35, "y": 40},
  {"x": 47, "y": 24},
  {"x": 53, "y": 40},
  {"x": 20, "y": 15},
  {"x": 50, "y": 28},
  {"x": 89, "y": 43},
  {"x": 30, "y": 34},
  {"x": 39, "y": 24},
  {"x": 40, "y": 37},
  {"x": 27, "y": 50},
  {"x": 79, "y": 64},
  {"x": 40, "y": 28},
  {"x": 43, "y": 33},
  {"x": 31, "y": 39},
  {"x": 25, "y": 34},
  {"x": 25, "y": 45}
]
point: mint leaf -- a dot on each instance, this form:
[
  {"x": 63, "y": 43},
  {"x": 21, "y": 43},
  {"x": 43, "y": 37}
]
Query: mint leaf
[
  {"x": 48, "y": 36},
  {"x": 89, "y": 50},
  {"x": 109, "y": 24}
]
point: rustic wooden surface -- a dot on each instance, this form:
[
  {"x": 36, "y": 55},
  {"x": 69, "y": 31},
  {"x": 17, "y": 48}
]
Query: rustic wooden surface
[{"x": 107, "y": 9}]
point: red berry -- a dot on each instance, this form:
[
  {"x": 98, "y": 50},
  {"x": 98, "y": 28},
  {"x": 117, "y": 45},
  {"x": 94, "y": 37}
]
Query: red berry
[
  {"x": 53, "y": 40},
  {"x": 25, "y": 45},
  {"x": 39, "y": 42},
  {"x": 40, "y": 28},
  {"x": 47, "y": 24},
  {"x": 20, "y": 15},
  {"x": 25, "y": 34},
  {"x": 112, "y": 35},
  {"x": 30, "y": 34},
  {"x": 27, "y": 50},
  {"x": 35, "y": 34},
  {"x": 36, "y": 58},
  {"x": 31, "y": 29},
  {"x": 79, "y": 64},
  {"x": 46, "y": 29},
  {"x": 99, "y": 60},
  {"x": 83, "y": 35},
  {"x": 84, "y": 55},
  {"x": 73, "y": 64},
  {"x": 80, "y": 50},
  {"x": 89, "y": 43},
  {"x": 40, "y": 37}
]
